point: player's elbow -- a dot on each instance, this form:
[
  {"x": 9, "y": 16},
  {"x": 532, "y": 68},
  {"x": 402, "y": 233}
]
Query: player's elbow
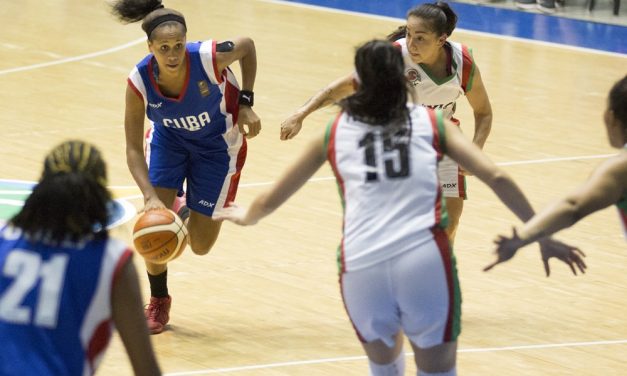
[
  {"x": 498, "y": 178},
  {"x": 265, "y": 204},
  {"x": 573, "y": 210},
  {"x": 247, "y": 44}
]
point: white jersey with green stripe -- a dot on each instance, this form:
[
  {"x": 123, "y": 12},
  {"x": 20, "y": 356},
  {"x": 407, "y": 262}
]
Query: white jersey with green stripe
[
  {"x": 388, "y": 182},
  {"x": 442, "y": 93}
]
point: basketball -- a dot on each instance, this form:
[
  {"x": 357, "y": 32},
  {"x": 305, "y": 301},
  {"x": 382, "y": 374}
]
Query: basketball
[{"x": 159, "y": 236}]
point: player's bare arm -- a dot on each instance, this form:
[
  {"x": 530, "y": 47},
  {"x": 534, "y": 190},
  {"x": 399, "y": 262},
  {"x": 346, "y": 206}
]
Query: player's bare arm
[
  {"x": 601, "y": 190},
  {"x": 134, "y": 133},
  {"x": 129, "y": 320},
  {"x": 242, "y": 49},
  {"x": 290, "y": 182},
  {"x": 480, "y": 103},
  {"x": 336, "y": 90}
]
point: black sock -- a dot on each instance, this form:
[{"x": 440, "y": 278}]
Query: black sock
[
  {"x": 183, "y": 213},
  {"x": 159, "y": 284}
]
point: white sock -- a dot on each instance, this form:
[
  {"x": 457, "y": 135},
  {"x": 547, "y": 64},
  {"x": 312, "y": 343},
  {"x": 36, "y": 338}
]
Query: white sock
[
  {"x": 396, "y": 368},
  {"x": 450, "y": 372}
]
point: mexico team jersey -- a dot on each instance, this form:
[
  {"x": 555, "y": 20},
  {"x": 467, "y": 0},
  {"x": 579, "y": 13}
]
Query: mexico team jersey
[
  {"x": 441, "y": 93},
  {"x": 55, "y": 304},
  {"x": 207, "y": 106},
  {"x": 388, "y": 184}
]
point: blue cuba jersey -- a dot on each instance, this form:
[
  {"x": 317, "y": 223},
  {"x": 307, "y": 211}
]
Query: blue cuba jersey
[
  {"x": 55, "y": 303},
  {"x": 206, "y": 107}
]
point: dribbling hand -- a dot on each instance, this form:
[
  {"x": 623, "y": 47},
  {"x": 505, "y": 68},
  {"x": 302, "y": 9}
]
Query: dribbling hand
[{"x": 152, "y": 204}]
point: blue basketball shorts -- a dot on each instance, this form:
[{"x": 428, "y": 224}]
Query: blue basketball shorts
[{"x": 211, "y": 170}]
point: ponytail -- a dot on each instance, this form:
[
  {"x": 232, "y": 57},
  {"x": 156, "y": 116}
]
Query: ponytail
[
  {"x": 441, "y": 17},
  {"x": 151, "y": 12}
]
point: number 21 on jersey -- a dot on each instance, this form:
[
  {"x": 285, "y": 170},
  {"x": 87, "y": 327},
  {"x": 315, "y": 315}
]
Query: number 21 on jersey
[{"x": 32, "y": 274}]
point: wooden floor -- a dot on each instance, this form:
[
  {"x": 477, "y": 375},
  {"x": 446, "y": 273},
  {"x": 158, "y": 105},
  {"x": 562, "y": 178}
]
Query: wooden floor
[{"x": 265, "y": 301}]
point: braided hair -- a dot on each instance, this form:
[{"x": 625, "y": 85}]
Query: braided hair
[{"x": 71, "y": 198}]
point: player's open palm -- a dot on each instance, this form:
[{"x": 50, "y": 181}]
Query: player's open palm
[
  {"x": 248, "y": 118},
  {"x": 235, "y": 214}
]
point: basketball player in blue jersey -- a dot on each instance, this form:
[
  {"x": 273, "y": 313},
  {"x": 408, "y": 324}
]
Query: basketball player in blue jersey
[
  {"x": 64, "y": 284},
  {"x": 397, "y": 270},
  {"x": 440, "y": 72},
  {"x": 198, "y": 116},
  {"x": 606, "y": 186}
]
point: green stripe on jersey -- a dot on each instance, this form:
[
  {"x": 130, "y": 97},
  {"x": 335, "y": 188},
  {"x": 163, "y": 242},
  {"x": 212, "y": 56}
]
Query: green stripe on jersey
[
  {"x": 471, "y": 76},
  {"x": 457, "y": 299},
  {"x": 327, "y": 135},
  {"x": 439, "y": 118}
]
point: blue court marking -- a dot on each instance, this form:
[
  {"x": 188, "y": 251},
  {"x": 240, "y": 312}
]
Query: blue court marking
[
  {"x": 541, "y": 27},
  {"x": 13, "y": 193}
]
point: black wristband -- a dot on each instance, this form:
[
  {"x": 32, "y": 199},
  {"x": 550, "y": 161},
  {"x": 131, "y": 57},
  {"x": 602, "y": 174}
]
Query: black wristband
[{"x": 247, "y": 98}]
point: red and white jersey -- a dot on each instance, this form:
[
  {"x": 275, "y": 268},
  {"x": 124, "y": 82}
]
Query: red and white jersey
[
  {"x": 388, "y": 183},
  {"x": 441, "y": 93}
]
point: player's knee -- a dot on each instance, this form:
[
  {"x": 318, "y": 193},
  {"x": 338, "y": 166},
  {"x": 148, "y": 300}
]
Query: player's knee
[
  {"x": 203, "y": 246},
  {"x": 200, "y": 251},
  {"x": 439, "y": 360}
]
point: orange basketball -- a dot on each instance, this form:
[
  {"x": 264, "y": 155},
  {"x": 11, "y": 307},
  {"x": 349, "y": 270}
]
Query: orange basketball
[{"x": 159, "y": 236}]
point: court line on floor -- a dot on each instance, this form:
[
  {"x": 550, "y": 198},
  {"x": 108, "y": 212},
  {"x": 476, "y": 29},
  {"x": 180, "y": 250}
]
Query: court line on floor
[
  {"x": 362, "y": 357},
  {"x": 555, "y": 159},
  {"x": 327, "y": 178},
  {"x": 75, "y": 58}
]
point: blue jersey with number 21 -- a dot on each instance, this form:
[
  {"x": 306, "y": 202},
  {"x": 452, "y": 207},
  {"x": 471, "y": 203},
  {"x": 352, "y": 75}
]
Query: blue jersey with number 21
[{"x": 55, "y": 303}]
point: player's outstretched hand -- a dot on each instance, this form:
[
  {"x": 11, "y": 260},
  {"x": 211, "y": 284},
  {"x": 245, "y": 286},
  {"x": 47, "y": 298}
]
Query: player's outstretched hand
[
  {"x": 235, "y": 214},
  {"x": 248, "y": 117},
  {"x": 291, "y": 126},
  {"x": 572, "y": 256},
  {"x": 506, "y": 249}
]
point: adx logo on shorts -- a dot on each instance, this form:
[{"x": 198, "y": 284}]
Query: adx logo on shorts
[{"x": 207, "y": 203}]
